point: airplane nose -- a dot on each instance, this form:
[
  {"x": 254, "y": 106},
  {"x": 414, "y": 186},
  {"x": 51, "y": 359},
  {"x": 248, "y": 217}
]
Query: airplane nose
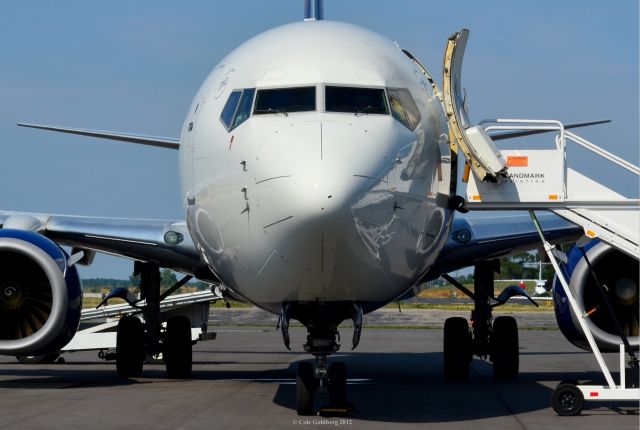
[
  {"x": 304, "y": 202},
  {"x": 320, "y": 198},
  {"x": 303, "y": 185}
]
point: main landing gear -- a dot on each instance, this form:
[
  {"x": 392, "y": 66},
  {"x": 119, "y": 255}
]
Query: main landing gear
[
  {"x": 322, "y": 340},
  {"x": 496, "y": 339},
  {"x": 136, "y": 339}
]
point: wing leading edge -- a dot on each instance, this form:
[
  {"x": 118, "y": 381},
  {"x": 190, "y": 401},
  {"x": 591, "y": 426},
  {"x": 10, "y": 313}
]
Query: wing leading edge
[
  {"x": 160, "y": 142},
  {"x": 164, "y": 242},
  {"x": 487, "y": 238},
  {"x": 471, "y": 239}
]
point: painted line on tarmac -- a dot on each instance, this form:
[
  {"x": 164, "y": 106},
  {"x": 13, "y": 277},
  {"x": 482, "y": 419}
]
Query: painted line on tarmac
[{"x": 290, "y": 381}]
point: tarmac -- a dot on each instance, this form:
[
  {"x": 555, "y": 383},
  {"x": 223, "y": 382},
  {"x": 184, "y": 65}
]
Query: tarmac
[
  {"x": 245, "y": 379},
  {"x": 385, "y": 317}
]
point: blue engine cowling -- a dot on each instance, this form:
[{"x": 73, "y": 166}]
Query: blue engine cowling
[
  {"x": 616, "y": 270},
  {"x": 40, "y": 297}
]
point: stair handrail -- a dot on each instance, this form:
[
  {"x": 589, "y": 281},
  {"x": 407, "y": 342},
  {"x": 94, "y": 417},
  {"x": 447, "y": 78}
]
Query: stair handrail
[
  {"x": 602, "y": 152},
  {"x": 514, "y": 124},
  {"x": 511, "y": 124}
]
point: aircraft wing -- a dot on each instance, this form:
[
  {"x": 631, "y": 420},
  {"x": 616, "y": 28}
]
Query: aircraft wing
[
  {"x": 485, "y": 238},
  {"x": 165, "y": 242}
]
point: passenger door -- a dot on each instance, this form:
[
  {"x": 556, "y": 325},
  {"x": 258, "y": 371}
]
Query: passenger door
[{"x": 476, "y": 146}]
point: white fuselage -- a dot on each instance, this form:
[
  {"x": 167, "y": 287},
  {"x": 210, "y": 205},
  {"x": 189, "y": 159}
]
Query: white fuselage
[{"x": 317, "y": 205}]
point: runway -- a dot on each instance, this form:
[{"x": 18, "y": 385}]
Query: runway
[{"x": 244, "y": 379}]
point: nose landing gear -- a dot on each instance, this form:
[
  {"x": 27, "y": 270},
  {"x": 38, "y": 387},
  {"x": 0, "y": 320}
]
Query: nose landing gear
[
  {"x": 320, "y": 378},
  {"x": 305, "y": 388}
]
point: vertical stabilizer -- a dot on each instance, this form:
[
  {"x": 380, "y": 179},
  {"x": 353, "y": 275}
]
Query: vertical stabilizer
[{"x": 313, "y": 10}]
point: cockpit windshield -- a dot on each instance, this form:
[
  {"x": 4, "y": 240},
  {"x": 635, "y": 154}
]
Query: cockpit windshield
[
  {"x": 396, "y": 102},
  {"x": 285, "y": 100},
  {"x": 355, "y": 100}
]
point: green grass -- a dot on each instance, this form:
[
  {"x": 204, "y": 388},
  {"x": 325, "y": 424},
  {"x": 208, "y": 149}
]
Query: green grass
[
  {"x": 545, "y": 306},
  {"x": 92, "y": 302},
  {"x": 447, "y": 291}
]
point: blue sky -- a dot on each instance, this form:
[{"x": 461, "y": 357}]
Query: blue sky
[{"x": 135, "y": 66}]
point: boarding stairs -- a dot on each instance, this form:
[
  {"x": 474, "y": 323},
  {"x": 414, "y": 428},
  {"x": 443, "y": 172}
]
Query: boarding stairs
[
  {"x": 535, "y": 179},
  {"x": 540, "y": 179}
]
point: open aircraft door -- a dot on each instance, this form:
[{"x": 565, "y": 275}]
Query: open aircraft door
[{"x": 481, "y": 154}]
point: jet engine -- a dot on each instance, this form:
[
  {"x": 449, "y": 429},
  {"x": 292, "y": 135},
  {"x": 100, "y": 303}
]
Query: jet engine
[
  {"x": 619, "y": 273},
  {"x": 40, "y": 297}
]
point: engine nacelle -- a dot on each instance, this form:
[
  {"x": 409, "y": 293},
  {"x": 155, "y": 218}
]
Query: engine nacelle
[
  {"x": 40, "y": 297},
  {"x": 616, "y": 270}
]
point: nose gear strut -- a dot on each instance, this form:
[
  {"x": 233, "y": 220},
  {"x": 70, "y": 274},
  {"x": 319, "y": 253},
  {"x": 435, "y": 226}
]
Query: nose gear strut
[{"x": 320, "y": 377}]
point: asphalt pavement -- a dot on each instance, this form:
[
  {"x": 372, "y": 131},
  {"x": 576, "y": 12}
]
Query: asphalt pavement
[{"x": 244, "y": 379}]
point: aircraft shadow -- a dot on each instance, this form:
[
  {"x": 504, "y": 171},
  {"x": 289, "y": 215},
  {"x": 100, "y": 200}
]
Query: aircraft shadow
[
  {"x": 386, "y": 387},
  {"x": 410, "y": 388}
]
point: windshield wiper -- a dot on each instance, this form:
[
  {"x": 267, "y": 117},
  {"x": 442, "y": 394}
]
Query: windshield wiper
[
  {"x": 273, "y": 111},
  {"x": 365, "y": 109}
]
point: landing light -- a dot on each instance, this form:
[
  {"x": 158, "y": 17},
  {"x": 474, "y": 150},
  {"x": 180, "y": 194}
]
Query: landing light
[
  {"x": 462, "y": 236},
  {"x": 173, "y": 237}
]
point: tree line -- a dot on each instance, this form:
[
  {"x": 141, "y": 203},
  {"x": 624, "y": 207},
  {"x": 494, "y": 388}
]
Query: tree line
[{"x": 168, "y": 278}]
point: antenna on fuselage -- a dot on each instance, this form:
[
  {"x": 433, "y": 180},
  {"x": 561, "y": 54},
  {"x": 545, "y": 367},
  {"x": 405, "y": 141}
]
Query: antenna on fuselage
[{"x": 313, "y": 10}]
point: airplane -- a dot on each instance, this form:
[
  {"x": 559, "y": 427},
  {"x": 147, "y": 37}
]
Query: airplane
[{"x": 318, "y": 184}]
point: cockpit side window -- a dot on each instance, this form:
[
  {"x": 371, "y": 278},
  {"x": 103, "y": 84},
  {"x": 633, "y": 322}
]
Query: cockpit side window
[
  {"x": 403, "y": 107},
  {"x": 244, "y": 107},
  {"x": 285, "y": 100},
  {"x": 230, "y": 109},
  {"x": 355, "y": 100},
  {"x": 238, "y": 108}
]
